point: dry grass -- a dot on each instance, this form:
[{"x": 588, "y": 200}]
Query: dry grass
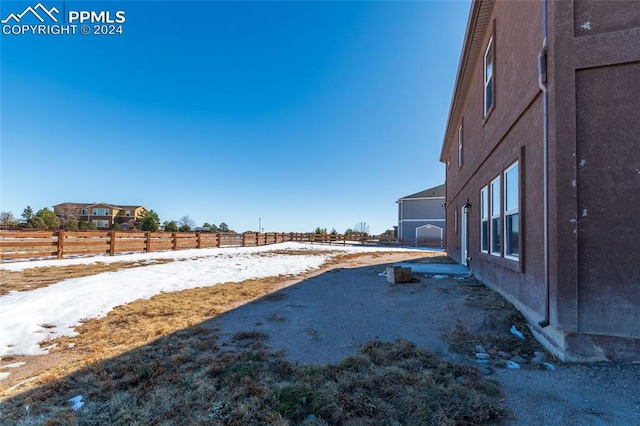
[
  {"x": 187, "y": 379},
  {"x": 494, "y": 333},
  {"x": 149, "y": 362},
  {"x": 34, "y": 278},
  {"x": 140, "y": 322},
  {"x": 144, "y": 320}
]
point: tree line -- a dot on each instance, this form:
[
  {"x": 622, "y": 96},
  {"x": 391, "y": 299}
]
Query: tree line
[{"x": 45, "y": 218}]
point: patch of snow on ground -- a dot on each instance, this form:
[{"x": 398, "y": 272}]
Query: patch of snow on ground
[
  {"x": 65, "y": 304},
  {"x": 13, "y": 365}
]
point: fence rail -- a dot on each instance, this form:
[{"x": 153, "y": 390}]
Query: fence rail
[{"x": 15, "y": 245}]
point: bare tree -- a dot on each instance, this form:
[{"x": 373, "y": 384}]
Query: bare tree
[
  {"x": 186, "y": 223},
  {"x": 68, "y": 213},
  {"x": 361, "y": 228},
  {"x": 7, "y": 219}
]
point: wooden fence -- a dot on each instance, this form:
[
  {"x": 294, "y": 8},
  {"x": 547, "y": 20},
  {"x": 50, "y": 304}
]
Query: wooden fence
[{"x": 16, "y": 245}]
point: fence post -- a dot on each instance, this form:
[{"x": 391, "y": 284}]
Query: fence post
[
  {"x": 60, "y": 244},
  {"x": 219, "y": 240},
  {"x": 147, "y": 236},
  {"x": 174, "y": 237},
  {"x": 112, "y": 243},
  {"x": 198, "y": 240}
]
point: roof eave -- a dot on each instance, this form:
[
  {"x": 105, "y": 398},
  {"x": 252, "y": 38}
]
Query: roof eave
[{"x": 476, "y": 28}]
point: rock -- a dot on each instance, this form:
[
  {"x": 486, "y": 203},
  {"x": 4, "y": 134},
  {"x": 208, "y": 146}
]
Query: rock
[
  {"x": 399, "y": 274},
  {"x": 539, "y": 354},
  {"x": 485, "y": 371},
  {"x": 549, "y": 366},
  {"x": 482, "y": 355},
  {"x": 461, "y": 379},
  {"x": 512, "y": 365},
  {"x": 513, "y": 330},
  {"x": 482, "y": 361},
  {"x": 480, "y": 348},
  {"x": 504, "y": 354},
  {"x": 518, "y": 359}
]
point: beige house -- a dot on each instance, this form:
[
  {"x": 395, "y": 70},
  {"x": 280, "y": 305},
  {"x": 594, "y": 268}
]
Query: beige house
[{"x": 102, "y": 215}]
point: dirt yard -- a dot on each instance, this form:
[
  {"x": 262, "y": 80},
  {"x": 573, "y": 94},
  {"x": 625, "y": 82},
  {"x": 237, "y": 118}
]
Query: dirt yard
[{"x": 329, "y": 316}]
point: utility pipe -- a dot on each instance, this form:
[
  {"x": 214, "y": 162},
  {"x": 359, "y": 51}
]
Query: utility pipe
[{"x": 542, "y": 82}]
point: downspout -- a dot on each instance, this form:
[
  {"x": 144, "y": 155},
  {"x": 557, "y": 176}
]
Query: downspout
[{"x": 542, "y": 82}]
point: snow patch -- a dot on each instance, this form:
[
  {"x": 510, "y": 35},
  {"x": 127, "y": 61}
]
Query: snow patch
[{"x": 70, "y": 302}]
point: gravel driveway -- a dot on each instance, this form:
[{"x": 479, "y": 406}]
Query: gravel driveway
[{"x": 329, "y": 316}]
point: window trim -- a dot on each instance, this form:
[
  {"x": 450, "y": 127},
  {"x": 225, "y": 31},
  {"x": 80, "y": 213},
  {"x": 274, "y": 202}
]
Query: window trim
[
  {"x": 491, "y": 80},
  {"x": 514, "y": 211},
  {"x": 495, "y": 215},
  {"x": 484, "y": 218}
]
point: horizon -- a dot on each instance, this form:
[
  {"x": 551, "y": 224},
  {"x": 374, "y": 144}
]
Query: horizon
[{"x": 283, "y": 115}]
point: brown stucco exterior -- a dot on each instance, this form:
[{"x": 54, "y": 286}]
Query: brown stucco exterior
[{"x": 589, "y": 307}]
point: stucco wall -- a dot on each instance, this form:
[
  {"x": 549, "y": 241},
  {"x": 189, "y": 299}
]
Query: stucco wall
[{"x": 512, "y": 132}]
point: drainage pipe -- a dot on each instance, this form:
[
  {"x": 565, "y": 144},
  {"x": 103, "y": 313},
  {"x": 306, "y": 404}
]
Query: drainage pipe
[{"x": 542, "y": 82}]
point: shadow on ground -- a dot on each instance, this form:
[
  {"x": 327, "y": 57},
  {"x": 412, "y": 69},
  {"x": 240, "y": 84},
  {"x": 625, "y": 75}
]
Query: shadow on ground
[{"x": 342, "y": 347}]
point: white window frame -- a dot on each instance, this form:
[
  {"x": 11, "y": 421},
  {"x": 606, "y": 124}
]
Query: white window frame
[
  {"x": 84, "y": 212},
  {"x": 508, "y": 253},
  {"x": 127, "y": 213},
  {"x": 488, "y": 76},
  {"x": 495, "y": 183},
  {"x": 460, "y": 147},
  {"x": 484, "y": 219}
]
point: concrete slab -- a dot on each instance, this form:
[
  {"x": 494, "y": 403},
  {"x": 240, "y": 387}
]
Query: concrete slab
[{"x": 435, "y": 268}]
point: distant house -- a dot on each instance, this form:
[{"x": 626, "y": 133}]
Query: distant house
[
  {"x": 422, "y": 215},
  {"x": 542, "y": 159},
  {"x": 102, "y": 215}
]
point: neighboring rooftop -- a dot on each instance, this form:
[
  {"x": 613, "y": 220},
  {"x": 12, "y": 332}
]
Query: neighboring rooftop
[{"x": 435, "y": 192}]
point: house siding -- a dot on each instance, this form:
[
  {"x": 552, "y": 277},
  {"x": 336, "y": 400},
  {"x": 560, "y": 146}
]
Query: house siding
[
  {"x": 423, "y": 209},
  {"x": 512, "y": 132},
  {"x": 608, "y": 182},
  {"x": 593, "y": 298}
]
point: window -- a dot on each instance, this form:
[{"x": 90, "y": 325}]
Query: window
[
  {"x": 495, "y": 217},
  {"x": 127, "y": 213},
  {"x": 101, "y": 223},
  {"x": 511, "y": 217},
  {"x": 460, "y": 146},
  {"x": 85, "y": 212},
  {"x": 488, "y": 77},
  {"x": 484, "y": 219},
  {"x": 100, "y": 212}
]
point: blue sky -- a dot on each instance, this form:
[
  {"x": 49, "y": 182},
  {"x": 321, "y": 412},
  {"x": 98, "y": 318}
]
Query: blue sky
[{"x": 302, "y": 114}]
